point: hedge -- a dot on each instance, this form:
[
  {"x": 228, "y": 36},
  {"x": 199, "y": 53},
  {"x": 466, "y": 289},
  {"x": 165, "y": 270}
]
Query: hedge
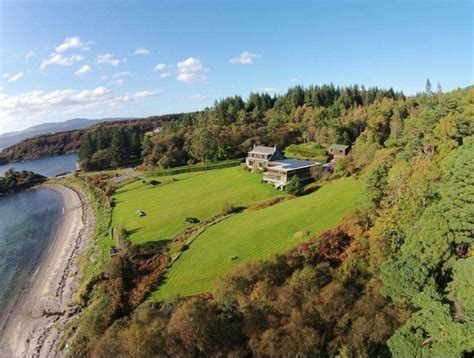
[{"x": 193, "y": 168}]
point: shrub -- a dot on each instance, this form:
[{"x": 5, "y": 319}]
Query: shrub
[
  {"x": 191, "y": 220},
  {"x": 294, "y": 187},
  {"x": 228, "y": 208},
  {"x": 194, "y": 168}
]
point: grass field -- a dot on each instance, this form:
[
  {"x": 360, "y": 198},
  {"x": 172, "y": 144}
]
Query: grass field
[
  {"x": 257, "y": 235},
  {"x": 309, "y": 151},
  {"x": 200, "y": 195}
]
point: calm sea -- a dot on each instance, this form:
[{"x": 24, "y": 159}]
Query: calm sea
[
  {"x": 49, "y": 166},
  {"x": 28, "y": 223}
]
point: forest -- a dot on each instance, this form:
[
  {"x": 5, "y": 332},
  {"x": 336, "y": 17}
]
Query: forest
[{"x": 395, "y": 278}]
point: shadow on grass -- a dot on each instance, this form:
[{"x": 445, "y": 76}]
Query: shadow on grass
[
  {"x": 238, "y": 209},
  {"x": 155, "y": 244},
  {"x": 134, "y": 231},
  {"x": 312, "y": 189}
]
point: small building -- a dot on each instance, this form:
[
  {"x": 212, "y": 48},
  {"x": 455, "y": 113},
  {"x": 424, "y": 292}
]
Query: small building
[
  {"x": 259, "y": 157},
  {"x": 428, "y": 149},
  {"x": 280, "y": 172},
  {"x": 338, "y": 151}
]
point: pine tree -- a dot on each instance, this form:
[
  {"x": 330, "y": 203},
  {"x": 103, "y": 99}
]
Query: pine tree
[
  {"x": 439, "y": 90},
  {"x": 428, "y": 86}
]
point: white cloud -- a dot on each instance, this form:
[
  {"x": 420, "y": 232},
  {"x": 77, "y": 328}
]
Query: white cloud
[
  {"x": 121, "y": 74},
  {"x": 118, "y": 78},
  {"x": 83, "y": 70},
  {"x": 269, "y": 90},
  {"x": 142, "y": 51},
  {"x": 58, "y": 59},
  {"x": 143, "y": 94},
  {"x": 6, "y": 75},
  {"x": 108, "y": 58},
  {"x": 14, "y": 78},
  {"x": 245, "y": 58},
  {"x": 192, "y": 77},
  {"x": 118, "y": 82},
  {"x": 161, "y": 67},
  {"x": 39, "y": 102},
  {"x": 196, "y": 97},
  {"x": 191, "y": 70},
  {"x": 30, "y": 54},
  {"x": 293, "y": 79},
  {"x": 190, "y": 65},
  {"x": 70, "y": 43},
  {"x": 167, "y": 74}
]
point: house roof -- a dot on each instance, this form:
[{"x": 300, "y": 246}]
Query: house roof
[
  {"x": 286, "y": 165},
  {"x": 338, "y": 146},
  {"x": 260, "y": 149}
]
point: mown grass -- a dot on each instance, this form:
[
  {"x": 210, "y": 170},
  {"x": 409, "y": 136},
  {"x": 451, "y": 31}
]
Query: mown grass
[
  {"x": 168, "y": 204},
  {"x": 253, "y": 235},
  {"x": 311, "y": 151}
]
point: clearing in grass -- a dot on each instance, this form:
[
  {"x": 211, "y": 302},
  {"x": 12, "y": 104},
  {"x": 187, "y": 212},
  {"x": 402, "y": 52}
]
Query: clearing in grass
[
  {"x": 253, "y": 235},
  {"x": 166, "y": 204}
]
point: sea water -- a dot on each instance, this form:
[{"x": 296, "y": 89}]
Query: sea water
[
  {"x": 49, "y": 166},
  {"x": 28, "y": 223}
]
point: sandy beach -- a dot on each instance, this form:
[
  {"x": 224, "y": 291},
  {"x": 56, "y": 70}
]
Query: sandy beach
[{"x": 35, "y": 323}]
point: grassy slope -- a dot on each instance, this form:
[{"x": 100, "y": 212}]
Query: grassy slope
[
  {"x": 306, "y": 151},
  {"x": 257, "y": 235},
  {"x": 200, "y": 195}
]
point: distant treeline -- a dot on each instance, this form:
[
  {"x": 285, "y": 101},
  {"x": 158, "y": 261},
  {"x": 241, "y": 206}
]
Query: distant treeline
[
  {"x": 13, "y": 181},
  {"x": 325, "y": 114},
  {"x": 70, "y": 141}
]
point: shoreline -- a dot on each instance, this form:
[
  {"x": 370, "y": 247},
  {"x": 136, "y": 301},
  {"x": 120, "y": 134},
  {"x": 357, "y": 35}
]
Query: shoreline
[{"x": 35, "y": 323}]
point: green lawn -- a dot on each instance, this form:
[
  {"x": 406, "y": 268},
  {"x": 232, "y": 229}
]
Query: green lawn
[
  {"x": 310, "y": 151},
  {"x": 257, "y": 235},
  {"x": 199, "y": 194}
]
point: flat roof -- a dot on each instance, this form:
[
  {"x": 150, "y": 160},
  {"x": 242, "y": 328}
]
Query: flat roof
[{"x": 290, "y": 164}]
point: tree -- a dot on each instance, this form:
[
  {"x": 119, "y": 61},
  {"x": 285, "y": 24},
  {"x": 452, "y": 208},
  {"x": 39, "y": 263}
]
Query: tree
[
  {"x": 120, "y": 149},
  {"x": 88, "y": 148},
  {"x": 294, "y": 186},
  {"x": 428, "y": 87}
]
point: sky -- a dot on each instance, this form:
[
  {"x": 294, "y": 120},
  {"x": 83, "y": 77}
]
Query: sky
[{"x": 95, "y": 59}]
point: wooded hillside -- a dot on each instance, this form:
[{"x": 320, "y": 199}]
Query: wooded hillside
[
  {"x": 394, "y": 278},
  {"x": 70, "y": 141}
]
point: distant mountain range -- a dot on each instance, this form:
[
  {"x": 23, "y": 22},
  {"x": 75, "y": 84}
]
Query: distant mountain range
[{"x": 8, "y": 139}]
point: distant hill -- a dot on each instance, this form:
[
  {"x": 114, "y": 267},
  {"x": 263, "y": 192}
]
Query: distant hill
[
  {"x": 69, "y": 141},
  {"x": 11, "y": 138}
]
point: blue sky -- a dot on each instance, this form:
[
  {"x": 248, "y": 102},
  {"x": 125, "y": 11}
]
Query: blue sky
[{"x": 94, "y": 59}]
